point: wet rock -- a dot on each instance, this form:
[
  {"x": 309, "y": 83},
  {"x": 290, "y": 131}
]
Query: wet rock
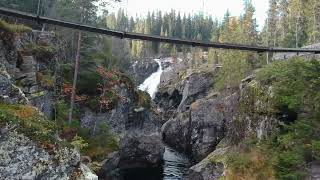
[
  {"x": 142, "y": 69},
  {"x": 141, "y": 151},
  {"x": 206, "y": 171},
  {"x": 208, "y": 126}
]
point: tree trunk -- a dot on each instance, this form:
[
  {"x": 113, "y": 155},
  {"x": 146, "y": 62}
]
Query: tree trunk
[
  {"x": 296, "y": 34},
  {"x": 100, "y": 108},
  {"x": 75, "y": 77},
  {"x": 314, "y": 24},
  {"x": 297, "y": 30},
  {"x": 43, "y": 27}
]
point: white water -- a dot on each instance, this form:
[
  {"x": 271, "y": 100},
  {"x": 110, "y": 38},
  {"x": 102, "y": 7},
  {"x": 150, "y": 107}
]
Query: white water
[{"x": 151, "y": 84}]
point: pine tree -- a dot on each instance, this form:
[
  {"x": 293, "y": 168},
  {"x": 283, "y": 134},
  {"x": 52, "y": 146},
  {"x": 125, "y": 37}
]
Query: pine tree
[
  {"x": 272, "y": 22},
  {"x": 87, "y": 10},
  {"x": 313, "y": 12}
]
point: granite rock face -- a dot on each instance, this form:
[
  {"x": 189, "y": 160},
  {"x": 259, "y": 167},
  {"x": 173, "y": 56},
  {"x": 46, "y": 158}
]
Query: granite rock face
[
  {"x": 30, "y": 60},
  {"x": 20, "y": 158}
]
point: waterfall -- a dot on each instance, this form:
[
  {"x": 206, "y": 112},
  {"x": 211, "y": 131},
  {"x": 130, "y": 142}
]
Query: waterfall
[
  {"x": 151, "y": 84},
  {"x": 176, "y": 165}
]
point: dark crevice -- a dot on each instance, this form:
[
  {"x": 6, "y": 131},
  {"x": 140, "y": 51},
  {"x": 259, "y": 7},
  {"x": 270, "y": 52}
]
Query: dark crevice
[{"x": 287, "y": 115}]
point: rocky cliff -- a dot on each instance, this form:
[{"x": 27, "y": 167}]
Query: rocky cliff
[
  {"x": 205, "y": 119},
  {"x": 29, "y": 145},
  {"x": 234, "y": 133},
  {"x": 30, "y": 59}
]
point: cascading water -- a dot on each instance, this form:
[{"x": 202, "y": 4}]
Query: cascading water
[
  {"x": 175, "y": 164},
  {"x": 152, "y": 82}
]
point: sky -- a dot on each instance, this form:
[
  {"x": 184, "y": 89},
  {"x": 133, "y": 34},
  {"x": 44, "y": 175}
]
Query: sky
[{"x": 216, "y": 8}]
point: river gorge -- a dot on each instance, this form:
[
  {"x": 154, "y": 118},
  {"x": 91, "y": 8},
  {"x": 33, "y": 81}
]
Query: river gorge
[{"x": 175, "y": 164}]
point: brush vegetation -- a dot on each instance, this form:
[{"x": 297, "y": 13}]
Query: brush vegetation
[{"x": 287, "y": 153}]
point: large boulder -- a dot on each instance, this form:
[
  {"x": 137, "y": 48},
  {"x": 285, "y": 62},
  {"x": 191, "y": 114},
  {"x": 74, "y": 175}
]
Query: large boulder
[
  {"x": 199, "y": 130},
  {"x": 141, "y": 151}
]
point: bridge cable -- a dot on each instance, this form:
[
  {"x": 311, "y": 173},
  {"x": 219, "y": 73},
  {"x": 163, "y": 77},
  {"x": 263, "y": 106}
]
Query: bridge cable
[{"x": 146, "y": 37}]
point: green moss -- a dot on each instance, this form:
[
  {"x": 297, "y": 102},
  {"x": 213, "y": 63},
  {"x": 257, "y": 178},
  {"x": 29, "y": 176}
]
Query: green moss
[
  {"x": 95, "y": 166},
  {"x": 13, "y": 28},
  {"x": 93, "y": 103},
  {"x": 66, "y": 72},
  {"x": 29, "y": 122},
  {"x": 37, "y": 94},
  {"x": 103, "y": 103},
  {"x": 79, "y": 143},
  {"x": 48, "y": 81},
  {"x": 123, "y": 78},
  {"x": 42, "y": 52},
  {"x": 219, "y": 155}
]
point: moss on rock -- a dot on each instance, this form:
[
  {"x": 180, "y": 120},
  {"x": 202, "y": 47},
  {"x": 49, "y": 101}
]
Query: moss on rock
[
  {"x": 29, "y": 122},
  {"x": 13, "y": 28}
]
